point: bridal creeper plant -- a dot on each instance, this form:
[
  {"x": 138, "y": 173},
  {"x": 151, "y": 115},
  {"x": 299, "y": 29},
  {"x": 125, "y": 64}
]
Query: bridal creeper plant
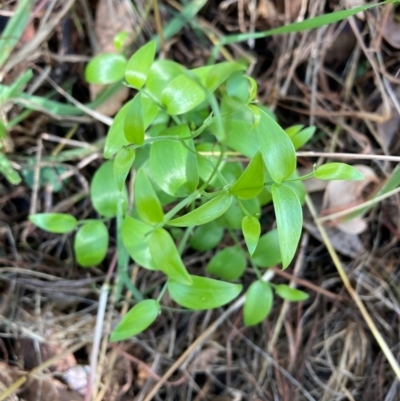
[{"x": 179, "y": 134}]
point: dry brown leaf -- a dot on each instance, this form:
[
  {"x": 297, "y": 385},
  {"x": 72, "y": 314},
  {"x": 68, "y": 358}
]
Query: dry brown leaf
[
  {"x": 341, "y": 195},
  {"x": 391, "y": 32},
  {"x": 111, "y": 18}
]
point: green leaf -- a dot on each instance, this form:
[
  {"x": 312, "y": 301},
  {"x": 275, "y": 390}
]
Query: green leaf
[
  {"x": 228, "y": 264},
  {"x": 206, "y": 236},
  {"x": 233, "y": 217},
  {"x": 139, "y": 65},
  {"x": 258, "y": 303},
  {"x": 122, "y": 164},
  {"x": 251, "y": 231},
  {"x": 211, "y": 77},
  {"x": 136, "y": 240},
  {"x": 116, "y": 138},
  {"x": 182, "y": 94},
  {"x": 237, "y": 87},
  {"x": 289, "y": 220},
  {"x": 8, "y": 171},
  {"x": 337, "y": 171},
  {"x": 290, "y": 294},
  {"x": 173, "y": 164},
  {"x": 166, "y": 257},
  {"x": 58, "y": 223},
  {"x": 251, "y": 182},
  {"x": 138, "y": 319},
  {"x": 134, "y": 124},
  {"x": 105, "y": 68},
  {"x": 276, "y": 147},
  {"x": 146, "y": 201},
  {"x": 104, "y": 192},
  {"x": 91, "y": 243},
  {"x": 162, "y": 72},
  {"x": 299, "y": 139},
  {"x": 120, "y": 39},
  {"x": 268, "y": 252},
  {"x": 207, "y": 212},
  {"x": 204, "y": 293}
]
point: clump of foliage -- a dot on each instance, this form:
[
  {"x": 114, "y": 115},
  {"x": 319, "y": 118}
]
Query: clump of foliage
[{"x": 185, "y": 135}]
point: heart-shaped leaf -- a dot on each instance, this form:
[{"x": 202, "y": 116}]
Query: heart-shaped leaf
[
  {"x": 139, "y": 65},
  {"x": 91, "y": 243},
  {"x": 290, "y": 294},
  {"x": 104, "y": 193},
  {"x": 58, "y": 223},
  {"x": 338, "y": 171},
  {"x": 182, "y": 94},
  {"x": 289, "y": 220},
  {"x": 276, "y": 147},
  {"x": 173, "y": 165},
  {"x": 136, "y": 240},
  {"x": 251, "y": 182},
  {"x": 166, "y": 257},
  {"x": 258, "y": 303},
  {"x": 138, "y": 319},
  {"x": 228, "y": 264},
  {"x": 251, "y": 229},
  {"x": 122, "y": 164},
  {"x": 105, "y": 68},
  {"x": 204, "y": 293},
  {"x": 147, "y": 203},
  {"x": 207, "y": 212}
]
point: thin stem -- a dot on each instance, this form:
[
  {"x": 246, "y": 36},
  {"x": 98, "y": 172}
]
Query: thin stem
[{"x": 183, "y": 203}]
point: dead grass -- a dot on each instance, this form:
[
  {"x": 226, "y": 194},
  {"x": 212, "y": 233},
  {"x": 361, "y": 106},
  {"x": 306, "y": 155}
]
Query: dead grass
[{"x": 342, "y": 78}]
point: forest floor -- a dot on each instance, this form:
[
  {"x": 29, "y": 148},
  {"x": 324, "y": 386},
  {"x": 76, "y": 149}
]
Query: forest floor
[{"x": 342, "y": 78}]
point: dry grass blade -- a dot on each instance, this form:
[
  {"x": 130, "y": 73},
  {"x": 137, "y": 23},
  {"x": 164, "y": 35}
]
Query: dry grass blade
[{"x": 335, "y": 258}]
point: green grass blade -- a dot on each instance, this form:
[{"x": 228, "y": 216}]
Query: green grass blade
[{"x": 14, "y": 29}]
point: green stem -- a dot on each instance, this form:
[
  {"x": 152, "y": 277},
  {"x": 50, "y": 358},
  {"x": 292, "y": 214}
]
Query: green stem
[{"x": 183, "y": 203}]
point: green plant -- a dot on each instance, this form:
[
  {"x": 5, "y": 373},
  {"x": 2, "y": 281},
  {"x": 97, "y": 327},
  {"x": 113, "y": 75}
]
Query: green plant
[{"x": 177, "y": 134}]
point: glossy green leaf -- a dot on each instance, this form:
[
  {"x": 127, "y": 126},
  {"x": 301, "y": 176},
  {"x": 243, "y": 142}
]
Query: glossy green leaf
[
  {"x": 207, "y": 212},
  {"x": 182, "y": 94},
  {"x": 276, "y": 147},
  {"x": 337, "y": 171},
  {"x": 173, "y": 165},
  {"x": 162, "y": 72},
  {"x": 251, "y": 229},
  {"x": 166, "y": 256},
  {"x": 258, "y": 303},
  {"x": 134, "y": 124},
  {"x": 58, "y": 223},
  {"x": 136, "y": 240},
  {"x": 290, "y": 294},
  {"x": 138, "y": 319},
  {"x": 294, "y": 129},
  {"x": 122, "y": 165},
  {"x": 204, "y": 293},
  {"x": 105, "y": 68},
  {"x": 147, "y": 203},
  {"x": 238, "y": 87},
  {"x": 139, "y": 65},
  {"x": 91, "y": 243},
  {"x": 116, "y": 138},
  {"x": 268, "y": 252},
  {"x": 228, "y": 264},
  {"x": 251, "y": 182},
  {"x": 104, "y": 192},
  {"x": 211, "y": 77},
  {"x": 289, "y": 220},
  {"x": 301, "y": 138},
  {"x": 207, "y": 236}
]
